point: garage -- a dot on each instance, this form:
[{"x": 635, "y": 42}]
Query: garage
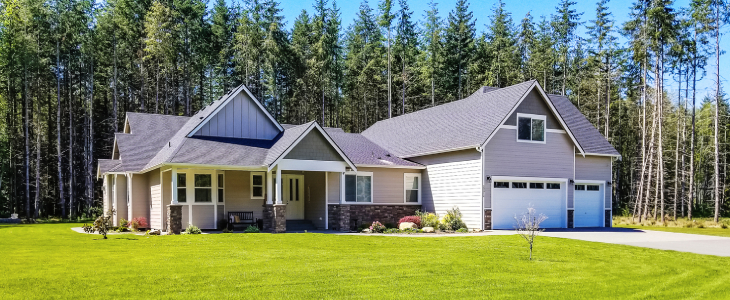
[
  {"x": 589, "y": 209},
  {"x": 512, "y": 198}
]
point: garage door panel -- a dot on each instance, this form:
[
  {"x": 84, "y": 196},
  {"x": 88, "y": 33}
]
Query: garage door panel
[
  {"x": 511, "y": 202},
  {"x": 589, "y": 211}
]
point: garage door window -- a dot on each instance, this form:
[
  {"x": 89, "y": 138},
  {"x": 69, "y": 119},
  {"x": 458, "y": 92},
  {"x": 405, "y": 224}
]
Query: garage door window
[
  {"x": 592, "y": 187},
  {"x": 553, "y": 186},
  {"x": 501, "y": 185},
  {"x": 580, "y": 187},
  {"x": 519, "y": 185},
  {"x": 536, "y": 185}
]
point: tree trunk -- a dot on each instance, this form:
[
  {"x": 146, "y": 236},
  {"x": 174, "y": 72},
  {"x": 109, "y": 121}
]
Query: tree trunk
[
  {"x": 59, "y": 155},
  {"x": 717, "y": 113}
]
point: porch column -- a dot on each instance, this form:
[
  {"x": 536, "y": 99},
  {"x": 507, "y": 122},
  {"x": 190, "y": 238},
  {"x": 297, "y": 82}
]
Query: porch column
[
  {"x": 278, "y": 185},
  {"x": 269, "y": 188},
  {"x": 174, "y": 186},
  {"x": 342, "y": 187}
]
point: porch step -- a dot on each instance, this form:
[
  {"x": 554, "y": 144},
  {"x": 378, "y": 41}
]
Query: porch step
[{"x": 299, "y": 226}]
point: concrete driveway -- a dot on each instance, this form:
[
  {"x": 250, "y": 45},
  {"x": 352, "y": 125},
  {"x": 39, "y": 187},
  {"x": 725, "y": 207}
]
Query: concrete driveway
[{"x": 694, "y": 243}]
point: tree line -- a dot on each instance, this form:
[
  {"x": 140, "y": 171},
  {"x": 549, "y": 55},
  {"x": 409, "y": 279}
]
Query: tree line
[{"x": 71, "y": 69}]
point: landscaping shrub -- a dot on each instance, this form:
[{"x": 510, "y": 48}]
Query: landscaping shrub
[
  {"x": 429, "y": 220},
  {"x": 412, "y": 219},
  {"x": 391, "y": 230},
  {"x": 123, "y": 223},
  {"x": 136, "y": 223},
  {"x": 192, "y": 229},
  {"x": 376, "y": 227},
  {"x": 227, "y": 230},
  {"x": 462, "y": 230},
  {"x": 452, "y": 220},
  {"x": 252, "y": 229}
]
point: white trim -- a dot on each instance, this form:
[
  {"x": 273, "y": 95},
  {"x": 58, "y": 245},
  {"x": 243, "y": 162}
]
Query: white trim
[
  {"x": 590, "y": 182},
  {"x": 482, "y": 178},
  {"x": 278, "y": 187},
  {"x": 232, "y": 96},
  {"x": 441, "y": 151},
  {"x": 363, "y": 174},
  {"x": 269, "y": 188},
  {"x": 392, "y": 167},
  {"x": 514, "y": 127},
  {"x": 342, "y": 187},
  {"x": 601, "y": 189},
  {"x": 263, "y": 185},
  {"x": 531, "y": 117},
  {"x": 528, "y": 179},
  {"x": 552, "y": 108},
  {"x": 599, "y": 154},
  {"x": 202, "y": 166},
  {"x": 299, "y": 139},
  {"x": 312, "y": 165},
  {"x": 405, "y": 187}
]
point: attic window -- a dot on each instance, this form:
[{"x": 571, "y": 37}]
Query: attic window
[{"x": 530, "y": 128}]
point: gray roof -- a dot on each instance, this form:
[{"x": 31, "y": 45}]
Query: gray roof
[
  {"x": 456, "y": 125},
  {"x": 469, "y": 122},
  {"x": 585, "y": 134},
  {"x": 363, "y": 151},
  {"x": 149, "y": 132},
  {"x": 109, "y": 165}
]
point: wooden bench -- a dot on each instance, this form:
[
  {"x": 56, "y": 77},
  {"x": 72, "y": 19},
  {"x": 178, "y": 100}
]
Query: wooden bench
[{"x": 241, "y": 218}]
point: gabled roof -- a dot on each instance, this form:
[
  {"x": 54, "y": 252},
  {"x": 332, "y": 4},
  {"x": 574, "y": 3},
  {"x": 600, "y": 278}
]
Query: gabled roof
[
  {"x": 108, "y": 166},
  {"x": 363, "y": 152},
  {"x": 290, "y": 138},
  {"x": 592, "y": 141},
  {"x": 452, "y": 126}
]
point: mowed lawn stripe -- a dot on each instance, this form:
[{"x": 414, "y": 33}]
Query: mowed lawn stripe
[{"x": 50, "y": 261}]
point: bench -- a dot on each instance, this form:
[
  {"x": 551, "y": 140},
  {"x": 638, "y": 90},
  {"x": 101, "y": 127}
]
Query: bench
[{"x": 241, "y": 218}]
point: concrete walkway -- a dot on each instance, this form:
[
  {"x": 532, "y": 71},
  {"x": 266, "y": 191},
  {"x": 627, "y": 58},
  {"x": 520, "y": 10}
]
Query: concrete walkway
[{"x": 693, "y": 243}]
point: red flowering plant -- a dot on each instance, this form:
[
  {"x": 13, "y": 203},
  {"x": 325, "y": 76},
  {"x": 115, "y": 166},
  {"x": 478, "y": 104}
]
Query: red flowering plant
[
  {"x": 377, "y": 227},
  {"x": 413, "y": 219},
  {"x": 137, "y": 223}
]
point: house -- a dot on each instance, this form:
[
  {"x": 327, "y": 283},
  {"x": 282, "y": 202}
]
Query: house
[{"x": 492, "y": 155}]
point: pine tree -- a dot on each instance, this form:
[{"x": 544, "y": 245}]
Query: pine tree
[{"x": 458, "y": 49}]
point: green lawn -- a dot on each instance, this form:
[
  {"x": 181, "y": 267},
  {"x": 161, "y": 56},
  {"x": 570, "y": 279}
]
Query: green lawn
[
  {"x": 50, "y": 261},
  {"x": 694, "y": 230}
]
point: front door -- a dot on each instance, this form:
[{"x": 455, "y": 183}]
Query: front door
[{"x": 293, "y": 195}]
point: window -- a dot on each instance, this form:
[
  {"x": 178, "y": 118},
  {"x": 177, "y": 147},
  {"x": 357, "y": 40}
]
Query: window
[
  {"x": 519, "y": 185},
  {"x": 257, "y": 185},
  {"x": 553, "y": 186},
  {"x": 182, "y": 196},
  {"x": 501, "y": 185},
  {"x": 592, "y": 187},
  {"x": 412, "y": 186},
  {"x": 359, "y": 187},
  {"x": 531, "y": 128},
  {"x": 220, "y": 187},
  {"x": 203, "y": 190},
  {"x": 536, "y": 185},
  {"x": 580, "y": 187}
]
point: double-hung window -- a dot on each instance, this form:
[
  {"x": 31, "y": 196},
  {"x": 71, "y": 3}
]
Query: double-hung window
[
  {"x": 412, "y": 187},
  {"x": 257, "y": 185},
  {"x": 530, "y": 128},
  {"x": 203, "y": 188},
  {"x": 358, "y": 187},
  {"x": 182, "y": 196}
]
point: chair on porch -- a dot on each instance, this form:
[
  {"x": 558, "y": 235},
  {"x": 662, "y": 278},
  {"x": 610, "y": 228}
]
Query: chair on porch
[{"x": 241, "y": 218}]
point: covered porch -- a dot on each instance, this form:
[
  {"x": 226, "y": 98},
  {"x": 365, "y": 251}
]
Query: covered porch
[{"x": 291, "y": 190}]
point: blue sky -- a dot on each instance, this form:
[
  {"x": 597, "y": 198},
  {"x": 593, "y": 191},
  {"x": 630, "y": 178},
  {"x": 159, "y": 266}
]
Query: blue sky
[{"x": 519, "y": 8}]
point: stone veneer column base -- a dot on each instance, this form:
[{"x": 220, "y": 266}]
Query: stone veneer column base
[
  {"x": 608, "y": 218},
  {"x": 268, "y": 218},
  {"x": 174, "y": 219},
  {"x": 343, "y": 217},
  {"x": 279, "y": 218},
  {"x": 487, "y": 219}
]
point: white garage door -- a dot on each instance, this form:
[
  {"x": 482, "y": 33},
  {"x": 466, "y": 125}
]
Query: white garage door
[
  {"x": 588, "y": 205},
  {"x": 512, "y": 198}
]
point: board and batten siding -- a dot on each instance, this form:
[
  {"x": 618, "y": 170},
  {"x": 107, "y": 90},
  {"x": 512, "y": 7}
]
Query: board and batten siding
[
  {"x": 155, "y": 188},
  {"x": 595, "y": 168},
  {"x": 504, "y": 156},
  {"x": 453, "y": 179},
  {"x": 240, "y": 118}
]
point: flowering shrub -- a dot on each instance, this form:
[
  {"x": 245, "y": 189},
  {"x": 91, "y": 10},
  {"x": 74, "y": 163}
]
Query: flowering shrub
[
  {"x": 136, "y": 223},
  {"x": 412, "y": 219},
  {"x": 377, "y": 227},
  {"x": 428, "y": 219}
]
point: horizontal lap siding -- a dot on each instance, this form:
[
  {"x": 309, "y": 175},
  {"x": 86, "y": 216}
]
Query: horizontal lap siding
[
  {"x": 535, "y": 105},
  {"x": 453, "y": 179},
  {"x": 504, "y": 156},
  {"x": 388, "y": 184},
  {"x": 203, "y": 216},
  {"x": 595, "y": 168},
  {"x": 155, "y": 200},
  {"x": 238, "y": 194},
  {"x": 166, "y": 196},
  {"x": 140, "y": 196},
  {"x": 333, "y": 184},
  {"x": 121, "y": 198}
]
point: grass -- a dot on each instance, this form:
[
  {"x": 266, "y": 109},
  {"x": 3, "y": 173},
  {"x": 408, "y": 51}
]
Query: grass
[
  {"x": 50, "y": 261},
  {"x": 682, "y": 225}
]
